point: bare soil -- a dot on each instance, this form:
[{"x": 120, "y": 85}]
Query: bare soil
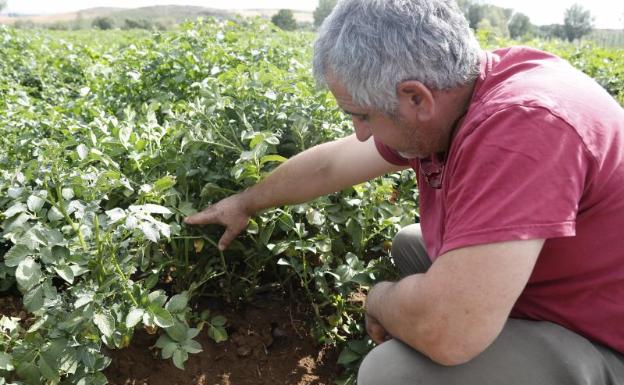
[{"x": 269, "y": 344}]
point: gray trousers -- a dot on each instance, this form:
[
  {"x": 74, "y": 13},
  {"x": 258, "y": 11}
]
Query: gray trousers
[{"x": 525, "y": 353}]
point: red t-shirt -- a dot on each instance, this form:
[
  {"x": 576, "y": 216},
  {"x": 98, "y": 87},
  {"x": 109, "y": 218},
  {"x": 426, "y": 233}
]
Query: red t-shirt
[{"x": 539, "y": 154}]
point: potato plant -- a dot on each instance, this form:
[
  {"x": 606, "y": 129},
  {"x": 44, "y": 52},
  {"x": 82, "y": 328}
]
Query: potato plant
[{"x": 109, "y": 143}]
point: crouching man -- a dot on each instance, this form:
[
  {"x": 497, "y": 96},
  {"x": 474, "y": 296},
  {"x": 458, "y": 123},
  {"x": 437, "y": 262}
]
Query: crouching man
[{"x": 515, "y": 274}]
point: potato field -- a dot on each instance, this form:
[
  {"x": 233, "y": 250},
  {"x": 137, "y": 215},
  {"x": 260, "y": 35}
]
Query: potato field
[{"x": 109, "y": 139}]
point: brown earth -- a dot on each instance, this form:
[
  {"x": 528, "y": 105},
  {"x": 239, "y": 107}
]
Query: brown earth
[{"x": 269, "y": 344}]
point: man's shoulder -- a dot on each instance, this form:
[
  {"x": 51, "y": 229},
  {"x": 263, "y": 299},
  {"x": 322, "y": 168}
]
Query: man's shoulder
[{"x": 525, "y": 78}]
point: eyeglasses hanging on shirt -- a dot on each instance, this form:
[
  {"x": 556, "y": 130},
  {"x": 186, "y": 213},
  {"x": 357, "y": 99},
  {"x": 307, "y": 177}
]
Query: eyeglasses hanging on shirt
[{"x": 432, "y": 168}]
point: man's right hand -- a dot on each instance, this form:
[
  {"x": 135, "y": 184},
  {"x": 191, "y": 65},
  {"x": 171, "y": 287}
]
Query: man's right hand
[{"x": 230, "y": 212}]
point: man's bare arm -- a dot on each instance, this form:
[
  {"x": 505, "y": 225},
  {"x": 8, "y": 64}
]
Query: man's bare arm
[
  {"x": 457, "y": 309},
  {"x": 321, "y": 170}
]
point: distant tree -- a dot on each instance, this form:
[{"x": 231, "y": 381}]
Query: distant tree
[
  {"x": 550, "y": 31},
  {"x": 475, "y": 13},
  {"x": 494, "y": 19},
  {"x": 137, "y": 24},
  {"x": 103, "y": 23},
  {"x": 3, "y": 4},
  {"x": 464, "y": 5},
  {"x": 577, "y": 22},
  {"x": 323, "y": 10},
  {"x": 519, "y": 25},
  {"x": 285, "y": 20},
  {"x": 58, "y": 26},
  {"x": 24, "y": 24}
]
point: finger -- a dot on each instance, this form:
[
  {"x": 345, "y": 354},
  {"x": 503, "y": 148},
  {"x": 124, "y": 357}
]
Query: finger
[
  {"x": 377, "y": 333},
  {"x": 227, "y": 238},
  {"x": 201, "y": 218}
]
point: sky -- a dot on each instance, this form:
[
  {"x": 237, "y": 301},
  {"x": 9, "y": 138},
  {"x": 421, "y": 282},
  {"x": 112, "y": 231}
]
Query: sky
[{"x": 607, "y": 13}]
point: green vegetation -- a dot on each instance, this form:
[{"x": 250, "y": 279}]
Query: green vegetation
[
  {"x": 323, "y": 10},
  {"x": 109, "y": 142},
  {"x": 111, "y": 138},
  {"x": 577, "y": 22},
  {"x": 285, "y": 20}
]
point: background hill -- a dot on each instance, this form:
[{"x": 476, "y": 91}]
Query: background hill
[{"x": 165, "y": 15}]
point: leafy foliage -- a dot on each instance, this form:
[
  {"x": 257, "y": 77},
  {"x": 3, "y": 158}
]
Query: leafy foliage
[
  {"x": 323, "y": 10},
  {"x": 577, "y": 23},
  {"x": 108, "y": 143},
  {"x": 285, "y": 20},
  {"x": 519, "y": 25},
  {"x": 103, "y": 23}
]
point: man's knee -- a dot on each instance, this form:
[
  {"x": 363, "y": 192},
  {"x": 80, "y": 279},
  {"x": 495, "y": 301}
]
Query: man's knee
[
  {"x": 392, "y": 363},
  {"x": 526, "y": 352},
  {"x": 409, "y": 252}
]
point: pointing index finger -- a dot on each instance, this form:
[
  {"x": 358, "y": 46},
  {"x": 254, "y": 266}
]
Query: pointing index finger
[{"x": 201, "y": 218}]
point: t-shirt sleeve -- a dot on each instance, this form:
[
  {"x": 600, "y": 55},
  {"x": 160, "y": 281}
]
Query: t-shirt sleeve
[
  {"x": 519, "y": 174},
  {"x": 390, "y": 155}
]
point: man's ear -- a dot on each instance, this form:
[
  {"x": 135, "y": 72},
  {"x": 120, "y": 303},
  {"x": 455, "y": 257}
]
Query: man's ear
[{"x": 416, "y": 100}]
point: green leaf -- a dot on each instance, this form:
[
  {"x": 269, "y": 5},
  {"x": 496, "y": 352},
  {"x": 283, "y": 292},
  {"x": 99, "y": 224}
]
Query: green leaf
[
  {"x": 157, "y": 298},
  {"x": 273, "y": 158},
  {"x": 54, "y": 215},
  {"x": 164, "y": 183},
  {"x": 82, "y": 151},
  {"x": 66, "y": 273},
  {"x": 162, "y": 317},
  {"x": 6, "y": 362},
  {"x": 35, "y": 203},
  {"x": 124, "y": 135},
  {"x": 192, "y": 346},
  {"x": 192, "y": 333},
  {"x": 179, "y": 358},
  {"x": 177, "y": 303},
  {"x": 28, "y": 371},
  {"x": 348, "y": 356},
  {"x": 154, "y": 209},
  {"x": 15, "y": 209},
  {"x": 83, "y": 300},
  {"x": 116, "y": 214},
  {"x": 48, "y": 368},
  {"x": 28, "y": 273},
  {"x": 218, "y": 334},
  {"x": 33, "y": 299},
  {"x": 67, "y": 193},
  {"x": 266, "y": 232},
  {"x": 168, "y": 349},
  {"x": 106, "y": 324},
  {"x": 15, "y": 255},
  {"x": 187, "y": 208},
  {"x": 150, "y": 232},
  {"x": 134, "y": 317},
  {"x": 218, "y": 320},
  {"x": 178, "y": 331},
  {"x": 315, "y": 217},
  {"x": 163, "y": 341}
]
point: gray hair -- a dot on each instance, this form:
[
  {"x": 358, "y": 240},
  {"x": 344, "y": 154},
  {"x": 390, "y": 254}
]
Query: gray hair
[{"x": 371, "y": 46}]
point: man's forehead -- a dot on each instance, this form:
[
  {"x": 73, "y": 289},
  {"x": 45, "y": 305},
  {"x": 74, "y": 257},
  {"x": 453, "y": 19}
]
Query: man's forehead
[{"x": 344, "y": 100}]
